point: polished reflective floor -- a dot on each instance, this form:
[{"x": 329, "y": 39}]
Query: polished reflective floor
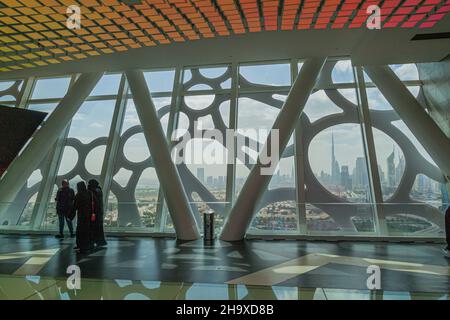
[
  {"x": 35, "y": 267},
  {"x": 42, "y": 288}
]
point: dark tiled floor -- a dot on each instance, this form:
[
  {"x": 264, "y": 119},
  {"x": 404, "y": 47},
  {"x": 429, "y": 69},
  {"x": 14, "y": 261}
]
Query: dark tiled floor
[{"x": 166, "y": 260}]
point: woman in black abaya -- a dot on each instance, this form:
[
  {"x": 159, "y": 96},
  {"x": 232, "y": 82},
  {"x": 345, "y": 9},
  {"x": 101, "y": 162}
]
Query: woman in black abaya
[
  {"x": 97, "y": 226},
  {"x": 85, "y": 207}
]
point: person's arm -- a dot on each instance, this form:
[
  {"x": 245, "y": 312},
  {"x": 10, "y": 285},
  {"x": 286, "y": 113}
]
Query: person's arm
[{"x": 57, "y": 195}]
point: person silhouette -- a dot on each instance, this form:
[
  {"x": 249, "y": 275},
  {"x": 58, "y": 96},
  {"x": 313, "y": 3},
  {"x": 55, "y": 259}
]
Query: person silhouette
[
  {"x": 64, "y": 208},
  {"x": 98, "y": 233}
]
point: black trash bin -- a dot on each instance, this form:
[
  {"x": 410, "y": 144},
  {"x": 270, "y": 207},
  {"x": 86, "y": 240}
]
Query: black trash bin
[{"x": 208, "y": 226}]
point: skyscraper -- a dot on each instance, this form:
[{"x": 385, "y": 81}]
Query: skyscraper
[
  {"x": 360, "y": 179},
  {"x": 346, "y": 181},
  {"x": 335, "y": 171},
  {"x": 391, "y": 168},
  {"x": 400, "y": 169}
]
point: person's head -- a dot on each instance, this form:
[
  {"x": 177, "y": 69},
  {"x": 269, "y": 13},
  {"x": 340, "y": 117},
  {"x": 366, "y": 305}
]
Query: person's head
[
  {"x": 81, "y": 186},
  {"x": 65, "y": 184},
  {"x": 93, "y": 184}
]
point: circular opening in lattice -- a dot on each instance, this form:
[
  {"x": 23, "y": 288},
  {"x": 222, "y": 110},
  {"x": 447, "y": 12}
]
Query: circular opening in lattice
[
  {"x": 94, "y": 160},
  {"x": 135, "y": 148},
  {"x": 336, "y": 157},
  {"x": 199, "y": 102},
  {"x": 34, "y": 178},
  {"x": 406, "y": 72},
  {"x": 342, "y": 72},
  {"x": 69, "y": 160},
  {"x": 183, "y": 126},
  {"x": 213, "y": 73}
]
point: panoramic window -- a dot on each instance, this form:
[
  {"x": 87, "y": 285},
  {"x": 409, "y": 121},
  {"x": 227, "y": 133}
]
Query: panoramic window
[
  {"x": 203, "y": 120},
  {"x": 21, "y": 210},
  {"x": 133, "y": 200},
  {"x": 50, "y": 88},
  {"x": 406, "y": 170},
  {"x": 260, "y": 101}
]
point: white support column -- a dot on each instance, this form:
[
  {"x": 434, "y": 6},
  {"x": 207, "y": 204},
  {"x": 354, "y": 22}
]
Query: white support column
[
  {"x": 411, "y": 112},
  {"x": 108, "y": 166},
  {"x": 242, "y": 212},
  {"x": 369, "y": 148},
  {"x": 299, "y": 163},
  {"x": 44, "y": 139},
  {"x": 175, "y": 103},
  {"x": 25, "y": 92},
  {"x": 231, "y": 167},
  {"x": 177, "y": 201}
]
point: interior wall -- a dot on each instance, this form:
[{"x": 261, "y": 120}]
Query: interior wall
[{"x": 436, "y": 87}]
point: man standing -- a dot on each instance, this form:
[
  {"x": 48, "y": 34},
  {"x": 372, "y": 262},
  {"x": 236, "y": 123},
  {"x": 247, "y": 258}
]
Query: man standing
[{"x": 64, "y": 208}]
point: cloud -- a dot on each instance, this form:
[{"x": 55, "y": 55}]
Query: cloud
[
  {"x": 96, "y": 125},
  {"x": 406, "y": 71}
]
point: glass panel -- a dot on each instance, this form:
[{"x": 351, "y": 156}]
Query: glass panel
[
  {"x": 5, "y": 85},
  {"x": 319, "y": 106},
  {"x": 207, "y": 78},
  {"x": 337, "y": 159},
  {"x": 430, "y": 191},
  {"x": 135, "y": 187},
  {"x": 342, "y": 72},
  {"x": 255, "y": 119},
  {"x": 277, "y": 208},
  {"x": 107, "y": 85},
  {"x": 43, "y": 107},
  {"x": 276, "y": 212},
  {"x": 406, "y": 72},
  {"x": 402, "y": 160},
  {"x": 391, "y": 162},
  {"x": 160, "y": 81},
  {"x": 83, "y": 154},
  {"x": 267, "y": 74},
  {"x": 92, "y": 120},
  {"x": 50, "y": 88},
  {"x": 146, "y": 194},
  {"x": 21, "y": 209}
]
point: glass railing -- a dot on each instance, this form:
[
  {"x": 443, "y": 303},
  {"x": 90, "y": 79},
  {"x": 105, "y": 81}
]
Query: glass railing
[{"x": 276, "y": 218}]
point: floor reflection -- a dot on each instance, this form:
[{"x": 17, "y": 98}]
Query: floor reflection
[{"x": 42, "y": 288}]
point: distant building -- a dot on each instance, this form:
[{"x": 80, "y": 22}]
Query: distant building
[
  {"x": 335, "y": 171},
  {"x": 201, "y": 174},
  {"x": 360, "y": 177},
  {"x": 346, "y": 180},
  {"x": 390, "y": 164},
  {"x": 400, "y": 169}
]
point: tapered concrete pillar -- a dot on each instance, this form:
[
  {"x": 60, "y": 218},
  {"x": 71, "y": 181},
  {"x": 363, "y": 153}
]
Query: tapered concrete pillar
[
  {"x": 411, "y": 112},
  {"x": 44, "y": 139},
  {"x": 176, "y": 198},
  {"x": 242, "y": 212}
]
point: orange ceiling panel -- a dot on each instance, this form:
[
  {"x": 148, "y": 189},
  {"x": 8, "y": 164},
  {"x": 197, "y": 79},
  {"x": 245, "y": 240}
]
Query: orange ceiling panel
[{"x": 35, "y": 32}]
